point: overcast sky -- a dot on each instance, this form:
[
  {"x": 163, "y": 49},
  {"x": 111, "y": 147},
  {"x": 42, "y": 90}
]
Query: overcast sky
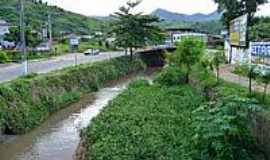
[{"x": 106, "y": 7}]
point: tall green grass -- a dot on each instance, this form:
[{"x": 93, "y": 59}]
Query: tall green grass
[{"x": 28, "y": 101}]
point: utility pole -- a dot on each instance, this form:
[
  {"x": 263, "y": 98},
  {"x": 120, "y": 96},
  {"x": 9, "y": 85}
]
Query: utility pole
[
  {"x": 50, "y": 29},
  {"x": 22, "y": 38}
]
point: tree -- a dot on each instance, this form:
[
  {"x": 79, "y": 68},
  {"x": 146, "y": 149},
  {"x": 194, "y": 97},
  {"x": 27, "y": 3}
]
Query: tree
[
  {"x": 260, "y": 29},
  {"x": 234, "y": 8},
  {"x": 32, "y": 37},
  {"x": 135, "y": 30},
  {"x": 251, "y": 68},
  {"x": 264, "y": 77},
  {"x": 217, "y": 60},
  {"x": 188, "y": 53}
]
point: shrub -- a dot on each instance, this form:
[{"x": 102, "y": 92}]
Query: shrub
[
  {"x": 188, "y": 53},
  {"x": 139, "y": 83},
  {"x": 3, "y": 57},
  {"x": 222, "y": 130},
  {"x": 241, "y": 69},
  {"x": 171, "y": 76},
  {"x": 28, "y": 101}
]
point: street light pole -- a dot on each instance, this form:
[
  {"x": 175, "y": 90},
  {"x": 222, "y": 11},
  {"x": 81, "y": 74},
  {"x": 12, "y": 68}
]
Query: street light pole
[{"x": 22, "y": 38}]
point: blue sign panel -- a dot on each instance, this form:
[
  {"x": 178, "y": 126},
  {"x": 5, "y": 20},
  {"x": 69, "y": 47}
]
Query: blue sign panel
[{"x": 260, "y": 49}]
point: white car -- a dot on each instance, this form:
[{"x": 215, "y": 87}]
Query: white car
[
  {"x": 43, "y": 47},
  {"x": 92, "y": 52}
]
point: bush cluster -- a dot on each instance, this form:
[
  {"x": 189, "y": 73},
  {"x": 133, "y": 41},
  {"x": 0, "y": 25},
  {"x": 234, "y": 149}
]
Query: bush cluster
[
  {"x": 28, "y": 101},
  {"x": 171, "y": 76},
  {"x": 221, "y": 130},
  {"x": 3, "y": 57}
]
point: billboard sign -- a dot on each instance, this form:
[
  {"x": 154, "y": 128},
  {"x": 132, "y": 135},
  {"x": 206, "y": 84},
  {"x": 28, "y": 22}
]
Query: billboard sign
[
  {"x": 238, "y": 31},
  {"x": 260, "y": 49},
  {"x": 44, "y": 33}
]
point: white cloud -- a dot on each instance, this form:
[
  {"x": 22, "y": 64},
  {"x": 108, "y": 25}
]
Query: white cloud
[{"x": 106, "y": 7}]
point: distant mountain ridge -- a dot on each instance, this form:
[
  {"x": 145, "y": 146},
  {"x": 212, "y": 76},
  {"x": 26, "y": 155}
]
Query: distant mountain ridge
[{"x": 198, "y": 17}]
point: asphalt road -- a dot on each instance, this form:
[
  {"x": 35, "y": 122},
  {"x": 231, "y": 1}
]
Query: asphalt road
[{"x": 12, "y": 71}]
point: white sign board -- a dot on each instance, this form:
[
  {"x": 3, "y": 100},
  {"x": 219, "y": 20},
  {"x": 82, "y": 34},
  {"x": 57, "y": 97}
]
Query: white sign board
[
  {"x": 44, "y": 33},
  {"x": 260, "y": 49},
  {"x": 74, "y": 41}
]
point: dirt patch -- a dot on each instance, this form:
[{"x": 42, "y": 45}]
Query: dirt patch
[{"x": 80, "y": 151}]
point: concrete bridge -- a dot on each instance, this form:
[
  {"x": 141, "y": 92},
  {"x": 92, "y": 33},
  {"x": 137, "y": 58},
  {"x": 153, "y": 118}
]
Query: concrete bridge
[
  {"x": 157, "y": 49},
  {"x": 154, "y": 56}
]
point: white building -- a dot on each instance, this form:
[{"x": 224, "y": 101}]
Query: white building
[
  {"x": 177, "y": 34},
  {"x": 4, "y": 28}
]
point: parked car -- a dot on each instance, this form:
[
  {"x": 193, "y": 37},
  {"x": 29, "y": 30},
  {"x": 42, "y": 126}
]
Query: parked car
[
  {"x": 43, "y": 47},
  {"x": 7, "y": 44},
  {"x": 92, "y": 52}
]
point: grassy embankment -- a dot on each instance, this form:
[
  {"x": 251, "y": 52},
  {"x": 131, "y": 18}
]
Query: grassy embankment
[
  {"x": 28, "y": 101},
  {"x": 161, "y": 121}
]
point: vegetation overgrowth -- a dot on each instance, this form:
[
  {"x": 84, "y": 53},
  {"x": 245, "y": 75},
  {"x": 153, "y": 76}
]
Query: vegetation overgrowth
[
  {"x": 173, "y": 121},
  {"x": 28, "y": 101},
  {"x": 150, "y": 125},
  {"x": 3, "y": 57},
  {"x": 214, "y": 90},
  {"x": 205, "y": 118},
  {"x": 188, "y": 52}
]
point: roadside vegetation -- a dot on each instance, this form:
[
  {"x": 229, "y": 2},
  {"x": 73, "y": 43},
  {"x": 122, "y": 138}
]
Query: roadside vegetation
[
  {"x": 60, "y": 47},
  {"x": 28, "y": 101},
  {"x": 3, "y": 57}
]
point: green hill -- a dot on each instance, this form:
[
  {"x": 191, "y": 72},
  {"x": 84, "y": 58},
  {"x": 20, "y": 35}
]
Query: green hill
[
  {"x": 36, "y": 14},
  {"x": 213, "y": 27}
]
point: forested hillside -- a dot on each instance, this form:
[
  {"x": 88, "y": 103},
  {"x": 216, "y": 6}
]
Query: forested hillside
[
  {"x": 213, "y": 27},
  {"x": 37, "y": 16},
  {"x": 209, "y": 23}
]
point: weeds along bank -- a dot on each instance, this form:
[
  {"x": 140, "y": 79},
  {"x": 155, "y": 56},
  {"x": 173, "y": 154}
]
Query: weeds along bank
[
  {"x": 172, "y": 120},
  {"x": 26, "y": 102},
  {"x": 260, "y": 120},
  {"x": 144, "y": 122}
]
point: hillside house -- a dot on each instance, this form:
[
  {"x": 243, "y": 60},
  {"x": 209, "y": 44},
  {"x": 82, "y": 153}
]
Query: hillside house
[{"x": 4, "y": 28}]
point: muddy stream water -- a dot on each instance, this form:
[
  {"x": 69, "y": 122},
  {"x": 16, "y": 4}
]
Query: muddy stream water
[{"x": 58, "y": 137}]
